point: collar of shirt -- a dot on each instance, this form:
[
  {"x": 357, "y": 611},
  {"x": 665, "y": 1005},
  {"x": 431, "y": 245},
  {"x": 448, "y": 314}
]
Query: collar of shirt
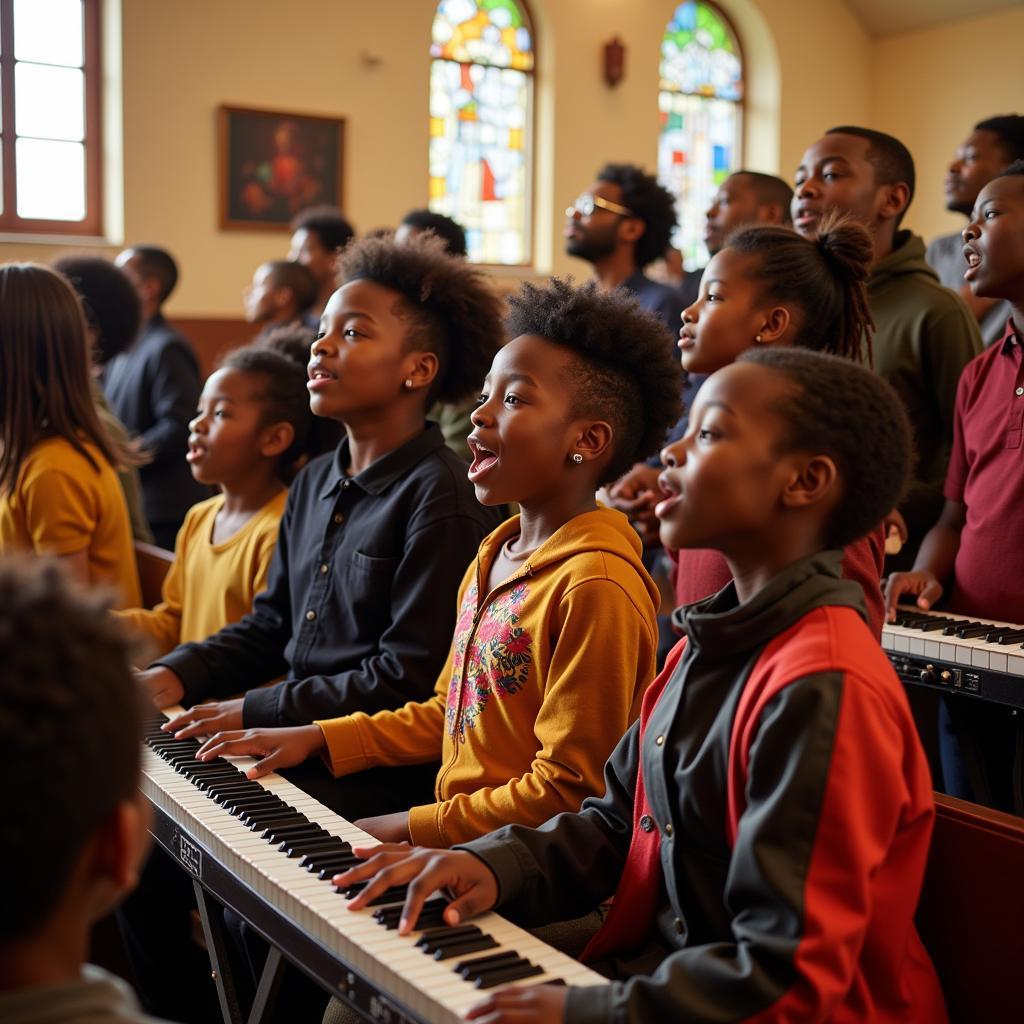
[
  {"x": 380, "y": 475},
  {"x": 1011, "y": 337}
]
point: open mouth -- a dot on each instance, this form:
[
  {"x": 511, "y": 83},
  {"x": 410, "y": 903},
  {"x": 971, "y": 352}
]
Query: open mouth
[
  {"x": 805, "y": 216},
  {"x": 195, "y": 453},
  {"x": 973, "y": 262},
  {"x": 484, "y": 460},
  {"x": 319, "y": 377},
  {"x": 672, "y": 496}
]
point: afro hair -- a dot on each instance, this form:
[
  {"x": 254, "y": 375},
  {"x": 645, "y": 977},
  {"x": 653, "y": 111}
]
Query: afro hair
[
  {"x": 651, "y": 202},
  {"x": 451, "y": 308},
  {"x": 845, "y": 411},
  {"x": 628, "y": 374}
]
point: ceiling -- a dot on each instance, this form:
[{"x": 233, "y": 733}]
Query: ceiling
[{"x": 887, "y": 17}]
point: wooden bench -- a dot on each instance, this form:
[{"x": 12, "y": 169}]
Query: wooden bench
[
  {"x": 153, "y": 563},
  {"x": 971, "y": 914}
]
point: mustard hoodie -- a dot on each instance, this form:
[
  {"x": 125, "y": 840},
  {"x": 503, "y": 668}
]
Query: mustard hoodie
[{"x": 543, "y": 677}]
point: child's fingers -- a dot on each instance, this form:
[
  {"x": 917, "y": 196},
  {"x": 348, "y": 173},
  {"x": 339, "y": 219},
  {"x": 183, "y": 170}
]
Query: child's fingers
[
  {"x": 930, "y": 594},
  {"x": 396, "y": 872},
  {"x": 378, "y": 857},
  {"x": 223, "y": 744}
]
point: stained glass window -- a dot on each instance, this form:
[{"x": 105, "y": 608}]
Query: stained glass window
[
  {"x": 699, "y": 105},
  {"x": 481, "y": 91}
]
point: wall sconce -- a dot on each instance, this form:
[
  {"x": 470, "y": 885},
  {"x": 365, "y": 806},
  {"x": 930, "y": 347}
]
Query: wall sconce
[{"x": 614, "y": 61}]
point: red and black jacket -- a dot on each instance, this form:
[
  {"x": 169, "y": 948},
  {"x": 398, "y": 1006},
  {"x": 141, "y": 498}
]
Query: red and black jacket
[{"x": 790, "y": 807}]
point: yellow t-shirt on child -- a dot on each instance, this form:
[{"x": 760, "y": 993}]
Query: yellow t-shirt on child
[
  {"x": 210, "y": 585},
  {"x": 61, "y": 505}
]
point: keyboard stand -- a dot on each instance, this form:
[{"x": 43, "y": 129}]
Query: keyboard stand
[{"x": 216, "y": 887}]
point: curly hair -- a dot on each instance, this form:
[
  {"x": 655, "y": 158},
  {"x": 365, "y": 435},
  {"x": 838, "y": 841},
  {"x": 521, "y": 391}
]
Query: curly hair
[
  {"x": 111, "y": 303},
  {"x": 70, "y": 727},
  {"x": 1009, "y": 128},
  {"x": 845, "y": 411},
  {"x": 627, "y": 372},
  {"x": 451, "y": 309},
  {"x": 824, "y": 277},
  {"x": 651, "y": 202}
]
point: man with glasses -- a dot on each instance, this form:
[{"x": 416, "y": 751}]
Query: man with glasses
[{"x": 619, "y": 225}]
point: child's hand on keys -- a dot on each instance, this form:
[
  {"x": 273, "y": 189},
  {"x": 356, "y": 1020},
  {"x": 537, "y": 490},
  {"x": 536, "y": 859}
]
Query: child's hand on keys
[
  {"x": 206, "y": 719},
  {"x": 277, "y": 748},
  {"x": 920, "y": 582},
  {"x": 467, "y": 878},
  {"x": 164, "y": 687},
  {"x": 538, "y": 1004}
]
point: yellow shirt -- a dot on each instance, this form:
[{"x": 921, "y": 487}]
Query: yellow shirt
[
  {"x": 61, "y": 505},
  {"x": 210, "y": 585},
  {"x": 544, "y": 675}
]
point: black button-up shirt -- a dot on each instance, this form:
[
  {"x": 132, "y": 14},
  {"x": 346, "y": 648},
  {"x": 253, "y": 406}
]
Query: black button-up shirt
[{"x": 359, "y": 608}]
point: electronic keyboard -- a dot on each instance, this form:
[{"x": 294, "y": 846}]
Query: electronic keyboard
[
  {"x": 268, "y": 850},
  {"x": 979, "y": 658}
]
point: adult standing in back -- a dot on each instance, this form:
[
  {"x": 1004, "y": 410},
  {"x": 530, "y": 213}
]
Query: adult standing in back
[{"x": 153, "y": 389}]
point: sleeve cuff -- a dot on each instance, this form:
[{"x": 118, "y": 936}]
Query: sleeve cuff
[
  {"x": 190, "y": 670},
  {"x": 344, "y": 754},
  {"x": 589, "y": 1004},
  {"x": 425, "y": 828},
  {"x": 259, "y": 709}
]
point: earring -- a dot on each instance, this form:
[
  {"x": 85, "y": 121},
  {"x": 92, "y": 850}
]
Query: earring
[
  {"x": 408, "y": 381},
  {"x": 577, "y": 458},
  {"x": 757, "y": 338}
]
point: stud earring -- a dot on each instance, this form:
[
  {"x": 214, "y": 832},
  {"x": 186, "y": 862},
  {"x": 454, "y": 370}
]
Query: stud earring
[
  {"x": 577, "y": 458},
  {"x": 757, "y": 338},
  {"x": 408, "y": 380}
]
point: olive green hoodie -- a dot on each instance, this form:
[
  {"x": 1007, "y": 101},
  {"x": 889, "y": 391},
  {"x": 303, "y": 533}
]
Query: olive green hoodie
[
  {"x": 545, "y": 674},
  {"x": 924, "y": 336}
]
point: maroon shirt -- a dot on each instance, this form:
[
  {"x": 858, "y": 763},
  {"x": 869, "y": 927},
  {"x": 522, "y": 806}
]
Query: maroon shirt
[{"x": 986, "y": 473}]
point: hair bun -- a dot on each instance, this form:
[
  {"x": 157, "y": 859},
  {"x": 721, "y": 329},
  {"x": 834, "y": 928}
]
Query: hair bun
[{"x": 846, "y": 245}]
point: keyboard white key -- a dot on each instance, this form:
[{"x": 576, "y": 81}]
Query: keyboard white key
[{"x": 394, "y": 965}]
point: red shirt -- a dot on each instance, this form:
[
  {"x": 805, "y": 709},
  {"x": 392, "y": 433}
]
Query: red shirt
[
  {"x": 699, "y": 573},
  {"x": 986, "y": 473}
]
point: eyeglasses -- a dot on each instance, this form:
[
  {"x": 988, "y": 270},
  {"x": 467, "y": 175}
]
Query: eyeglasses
[{"x": 586, "y": 203}]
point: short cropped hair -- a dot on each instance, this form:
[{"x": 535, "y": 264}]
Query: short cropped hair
[
  {"x": 451, "y": 308},
  {"x": 843, "y": 410},
  {"x": 109, "y": 300},
  {"x": 444, "y": 227},
  {"x": 627, "y": 373},
  {"x": 1017, "y": 167},
  {"x": 891, "y": 160},
  {"x": 327, "y": 223},
  {"x": 70, "y": 733},
  {"x": 1009, "y": 128},
  {"x": 770, "y": 189},
  {"x": 157, "y": 263},
  {"x": 651, "y": 202},
  {"x": 297, "y": 278}
]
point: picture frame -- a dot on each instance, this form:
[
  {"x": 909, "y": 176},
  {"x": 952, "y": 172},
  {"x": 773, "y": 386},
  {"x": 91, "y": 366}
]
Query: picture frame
[{"x": 274, "y": 163}]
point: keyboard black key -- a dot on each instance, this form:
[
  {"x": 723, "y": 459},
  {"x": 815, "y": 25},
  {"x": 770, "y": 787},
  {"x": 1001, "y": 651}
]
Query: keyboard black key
[
  {"x": 503, "y": 975},
  {"x": 453, "y": 949}
]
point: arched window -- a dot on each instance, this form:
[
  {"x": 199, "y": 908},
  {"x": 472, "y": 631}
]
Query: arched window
[
  {"x": 481, "y": 120},
  {"x": 700, "y": 105}
]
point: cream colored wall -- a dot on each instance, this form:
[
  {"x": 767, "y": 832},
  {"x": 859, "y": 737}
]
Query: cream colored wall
[
  {"x": 930, "y": 87},
  {"x": 182, "y": 59}
]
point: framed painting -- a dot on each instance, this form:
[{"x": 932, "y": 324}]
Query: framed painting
[{"x": 274, "y": 164}]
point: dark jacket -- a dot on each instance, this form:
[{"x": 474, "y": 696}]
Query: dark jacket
[
  {"x": 793, "y": 808},
  {"x": 925, "y": 335},
  {"x": 153, "y": 389},
  {"x": 360, "y": 601}
]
